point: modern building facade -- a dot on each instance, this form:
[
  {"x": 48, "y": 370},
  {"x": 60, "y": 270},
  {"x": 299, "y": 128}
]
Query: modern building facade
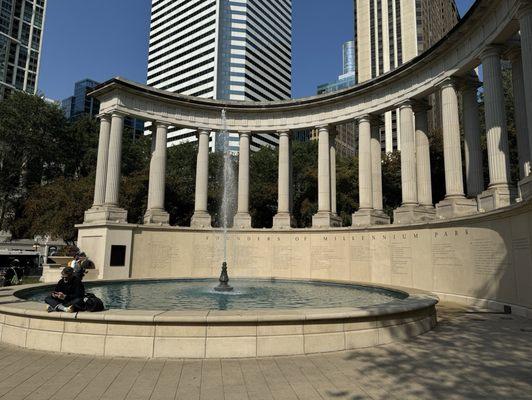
[
  {"x": 81, "y": 104},
  {"x": 389, "y": 33},
  {"x": 222, "y": 49},
  {"x": 347, "y": 79},
  {"x": 345, "y": 138},
  {"x": 21, "y": 27}
]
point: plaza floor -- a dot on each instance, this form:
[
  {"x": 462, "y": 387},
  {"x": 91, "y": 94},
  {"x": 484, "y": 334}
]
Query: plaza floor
[{"x": 470, "y": 355}]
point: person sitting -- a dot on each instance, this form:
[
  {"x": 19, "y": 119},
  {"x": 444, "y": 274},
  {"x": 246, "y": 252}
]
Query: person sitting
[{"x": 68, "y": 295}]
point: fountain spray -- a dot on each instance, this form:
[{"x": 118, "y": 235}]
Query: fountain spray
[{"x": 228, "y": 178}]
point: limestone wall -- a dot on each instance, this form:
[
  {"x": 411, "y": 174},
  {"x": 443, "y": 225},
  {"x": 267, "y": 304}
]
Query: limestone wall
[{"x": 482, "y": 257}]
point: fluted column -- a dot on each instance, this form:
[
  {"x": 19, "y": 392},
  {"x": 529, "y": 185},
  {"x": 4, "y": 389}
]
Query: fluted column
[
  {"x": 114, "y": 161},
  {"x": 101, "y": 163},
  {"x": 454, "y": 185},
  {"x": 376, "y": 164},
  {"x": 242, "y": 218},
  {"x": 408, "y": 155},
  {"x": 155, "y": 213},
  {"x": 497, "y": 133},
  {"x": 365, "y": 186},
  {"x": 455, "y": 203},
  {"x": 324, "y": 171},
  {"x": 283, "y": 218},
  {"x": 370, "y": 210},
  {"x": 523, "y": 148},
  {"x": 201, "y": 217},
  {"x": 473, "y": 151},
  {"x": 424, "y": 181},
  {"x": 525, "y": 27},
  {"x": 332, "y": 159},
  {"x": 324, "y": 218}
]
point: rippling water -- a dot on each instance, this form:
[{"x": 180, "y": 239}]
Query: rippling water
[{"x": 248, "y": 294}]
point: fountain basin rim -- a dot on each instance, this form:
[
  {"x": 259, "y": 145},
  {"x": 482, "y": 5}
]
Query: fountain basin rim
[{"x": 11, "y": 303}]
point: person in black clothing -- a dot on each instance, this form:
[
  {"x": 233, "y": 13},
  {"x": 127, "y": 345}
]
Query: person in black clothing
[{"x": 68, "y": 294}]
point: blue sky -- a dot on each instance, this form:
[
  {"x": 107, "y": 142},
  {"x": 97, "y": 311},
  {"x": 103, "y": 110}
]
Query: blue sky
[{"x": 100, "y": 39}]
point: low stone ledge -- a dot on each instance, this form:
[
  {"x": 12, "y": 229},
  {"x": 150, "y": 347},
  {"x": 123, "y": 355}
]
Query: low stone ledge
[{"x": 215, "y": 334}]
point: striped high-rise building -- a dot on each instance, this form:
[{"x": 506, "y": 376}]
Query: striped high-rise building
[
  {"x": 21, "y": 28},
  {"x": 222, "y": 49},
  {"x": 389, "y": 33}
]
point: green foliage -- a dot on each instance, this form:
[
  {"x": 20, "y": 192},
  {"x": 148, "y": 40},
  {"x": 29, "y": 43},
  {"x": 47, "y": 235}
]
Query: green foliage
[{"x": 263, "y": 186}]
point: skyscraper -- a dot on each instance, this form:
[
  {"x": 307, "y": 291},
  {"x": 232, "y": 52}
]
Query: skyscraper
[
  {"x": 389, "y": 33},
  {"x": 222, "y": 49},
  {"x": 81, "y": 104},
  {"x": 21, "y": 27}
]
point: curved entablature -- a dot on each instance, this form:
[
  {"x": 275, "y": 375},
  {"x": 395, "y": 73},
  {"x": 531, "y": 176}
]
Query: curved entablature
[{"x": 488, "y": 22}]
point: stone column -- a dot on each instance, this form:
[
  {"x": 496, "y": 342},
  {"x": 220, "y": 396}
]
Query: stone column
[
  {"x": 283, "y": 219},
  {"x": 376, "y": 164},
  {"x": 369, "y": 174},
  {"x": 520, "y": 112},
  {"x": 332, "y": 158},
  {"x": 410, "y": 211},
  {"x": 525, "y": 26},
  {"x": 408, "y": 156},
  {"x": 424, "y": 180},
  {"x": 455, "y": 203},
  {"x": 101, "y": 163},
  {"x": 498, "y": 193},
  {"x": 201, "y": 217},
  {"x": 156, "y": 214},
  {"x": 242, "y": 218},
  {"x": 323, "y": 218},
  {"x": 473, "y": 152},
  {"x": 114, "y": 166},
  {"x": 365, "y": 182}
]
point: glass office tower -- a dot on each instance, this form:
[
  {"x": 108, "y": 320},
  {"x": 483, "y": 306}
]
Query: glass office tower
[{"x": 21, "y": 27}]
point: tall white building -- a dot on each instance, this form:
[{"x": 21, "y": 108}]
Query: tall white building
[{"x": 222, "y": 49}]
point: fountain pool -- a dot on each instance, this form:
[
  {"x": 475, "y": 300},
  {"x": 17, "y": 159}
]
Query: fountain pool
[{"x": 201, "y": 294}]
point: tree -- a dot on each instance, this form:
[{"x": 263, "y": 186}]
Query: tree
[{"x": 32, "y": 138}]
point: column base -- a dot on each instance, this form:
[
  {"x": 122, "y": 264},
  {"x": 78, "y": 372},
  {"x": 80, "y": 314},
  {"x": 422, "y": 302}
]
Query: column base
[
  {"x": 525, "y": 188},
  {"x": 156, "y": 217},
  {"x": 242, "y": 221},
  {"x": 202, "y": 220},
  {"x": 105, "y": 214},
  {"x": 370, "y": 217},
  {"x": 496, "y": 197},
  {"x": 412, "y": 214},
  {"x": 456, "y": 207},
  {"x": 326, "y": 220},
  {"x": 283, "y": 221}
]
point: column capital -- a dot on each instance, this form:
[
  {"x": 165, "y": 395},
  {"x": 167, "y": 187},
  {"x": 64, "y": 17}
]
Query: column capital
[
  {"x": 492, "y": 50},
  {"x": 159, "y": 124},
  {"x": 513, "y": 54},
  {"x": 421, "y": 106},
  {"x": 284, "y": 132},
  {"x": 118, "y": 113},
  {"x": 203, "y": 130},
  {"x": 451, "y": 81},
  {"x": 105, "y": 116},
  {"x": 244, "y": 133},
  {"x": 371, "y": 118},
  {"x": 409, "y": 103},
  {"x": 469, "y": 83},
  {"x": 524, "y": 8},
  {"x": 326, "y": 127}
]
